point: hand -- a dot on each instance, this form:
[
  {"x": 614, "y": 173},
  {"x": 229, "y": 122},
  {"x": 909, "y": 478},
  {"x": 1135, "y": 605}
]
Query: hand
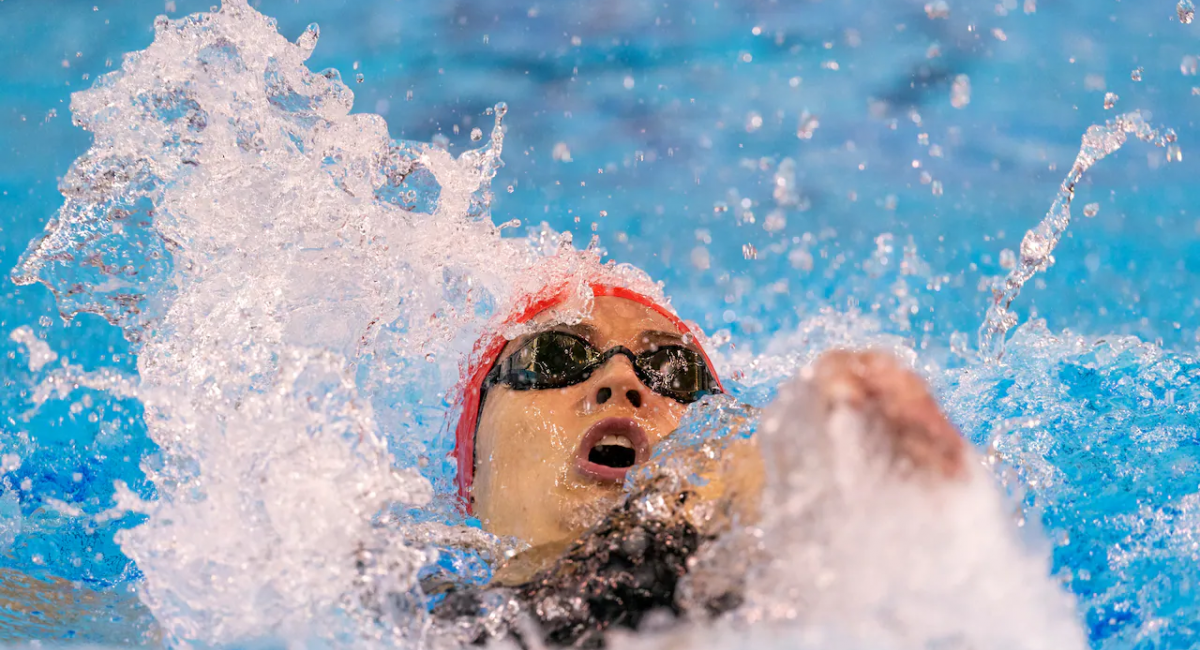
[{"x": 875, "y": 384}]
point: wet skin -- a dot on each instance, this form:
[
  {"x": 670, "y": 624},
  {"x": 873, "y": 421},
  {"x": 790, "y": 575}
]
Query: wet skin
[{"x": 528, "y": 480}]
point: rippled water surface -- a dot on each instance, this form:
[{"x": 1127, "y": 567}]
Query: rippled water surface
[{"x": 251, "y": 247}]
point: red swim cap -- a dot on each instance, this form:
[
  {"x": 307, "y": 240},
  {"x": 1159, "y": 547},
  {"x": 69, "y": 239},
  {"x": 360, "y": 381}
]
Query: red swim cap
[{"x": 487, "y": 351}]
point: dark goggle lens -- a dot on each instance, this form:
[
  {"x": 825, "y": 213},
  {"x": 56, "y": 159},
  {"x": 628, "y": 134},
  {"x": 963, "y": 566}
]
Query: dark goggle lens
[
  {"x": 677, "y": 372},
  {"x": 558, "y": 360},
  {"x": 550, "y": 360}
]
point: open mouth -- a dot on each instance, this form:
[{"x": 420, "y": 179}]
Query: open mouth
[{"x": 610, "y": 448}]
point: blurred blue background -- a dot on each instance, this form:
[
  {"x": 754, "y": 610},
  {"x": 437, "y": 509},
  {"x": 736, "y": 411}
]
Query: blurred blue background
[{"x": 666, "y": 129}]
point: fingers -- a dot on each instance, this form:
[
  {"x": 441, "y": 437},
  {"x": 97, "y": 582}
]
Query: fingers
[{"x": 876, "y": 384}]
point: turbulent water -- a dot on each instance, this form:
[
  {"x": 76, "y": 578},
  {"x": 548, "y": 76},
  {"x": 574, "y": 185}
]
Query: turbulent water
[{"x": 302, "y": 288}]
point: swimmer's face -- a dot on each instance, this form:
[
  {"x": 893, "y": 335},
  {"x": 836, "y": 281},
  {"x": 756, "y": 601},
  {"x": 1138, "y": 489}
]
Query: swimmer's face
[{"x": 550, "y": 462}]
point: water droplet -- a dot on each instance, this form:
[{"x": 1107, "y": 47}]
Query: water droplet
[
  {"x": 1136, "y": 75},
  {"x": 1030, "y": 6},
  {"x": 801, "y": 258},
  {"x": 629, "y": 83},
  {"x": 749, "y": 251},
  {"x": 936, "y": 187},
  {"x": 430, "y": 358},
  {"x": 960, "y": 91},
  {"x": 937, "y": 9},
  {"x": 1186, "y": 11},
  {"x": 719, "y": 207},
  {"x": 775, "y": 221},
  {"x": 1110, "y": 100},
  {"x": 808, "y": 124},
  {"x": 359, "y": 77},
  {"x": 1174, "y": 153},
  {"x": 754, "y": 122},
  {"x": 408, "y": 96},
  {"x": 1188, "y": 65},
  {"x": 561, "y": 152},
  {"x": 511, "y": 189},
  {"x": 476, "y": 134},
  {"x": 923, "y": 139},
  {"x": 501, "y": 109},
  {"x": 1091, "y": 209},
  {"x": 1008, "y": 259},
  {"x": 10, "y": 463}
]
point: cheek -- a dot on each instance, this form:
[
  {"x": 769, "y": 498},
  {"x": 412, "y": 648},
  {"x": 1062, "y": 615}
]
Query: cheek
[
  {"x": 666, "y": 417},
  {"x": 528, "y": 429}
]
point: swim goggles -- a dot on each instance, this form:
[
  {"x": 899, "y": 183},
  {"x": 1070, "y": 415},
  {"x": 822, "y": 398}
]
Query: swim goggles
[{"x": 558, "y": 359}]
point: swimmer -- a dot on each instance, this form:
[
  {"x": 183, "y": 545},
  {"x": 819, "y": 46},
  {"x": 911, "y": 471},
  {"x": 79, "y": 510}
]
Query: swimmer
[{"x": 555, "y": 418}]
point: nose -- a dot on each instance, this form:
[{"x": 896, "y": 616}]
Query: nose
[{"x": 617, "y": 381}]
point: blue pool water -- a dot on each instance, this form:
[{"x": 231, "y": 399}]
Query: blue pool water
[{"x": 766, "y": 160}]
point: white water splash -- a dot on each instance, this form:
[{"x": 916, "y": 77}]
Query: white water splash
[
  {"x": 1038, "y": 245},
  {"x": 857, "y": 553},
  {"x": 256, "y": 239},
  {"x": 301, "y": 289},
  {"x": 39, "y": 352}
]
